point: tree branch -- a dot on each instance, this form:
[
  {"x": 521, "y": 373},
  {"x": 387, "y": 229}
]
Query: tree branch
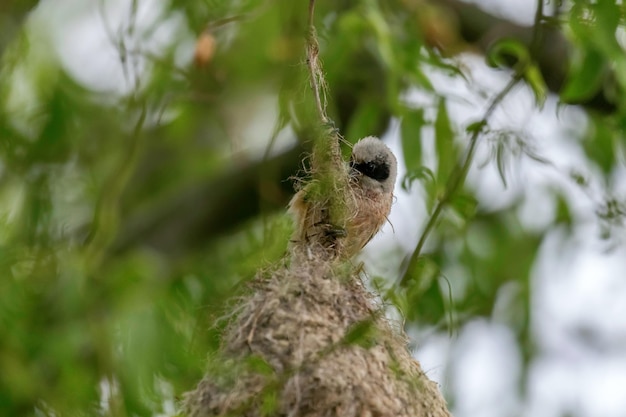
[
  {"x": 551, "y": 50},
  {"x": 457, "y": 179},
  {"x": 13, "y": 15},
  {"x": 203, "y": 212}
]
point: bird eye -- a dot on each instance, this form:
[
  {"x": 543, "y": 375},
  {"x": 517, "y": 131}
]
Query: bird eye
[{"x": 377, "y": 171}]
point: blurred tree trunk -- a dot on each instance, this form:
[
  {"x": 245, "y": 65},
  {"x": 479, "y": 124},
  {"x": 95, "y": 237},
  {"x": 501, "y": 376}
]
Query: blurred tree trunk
[{"x": 12, "y": 16}]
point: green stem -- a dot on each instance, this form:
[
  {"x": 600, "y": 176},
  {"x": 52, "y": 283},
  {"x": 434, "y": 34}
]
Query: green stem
[
  {"x": 106, "y": 216},
  {"x": 457, "y": 179}
]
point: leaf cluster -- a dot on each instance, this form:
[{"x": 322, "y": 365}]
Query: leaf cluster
[{"x": 117, "y": 258}]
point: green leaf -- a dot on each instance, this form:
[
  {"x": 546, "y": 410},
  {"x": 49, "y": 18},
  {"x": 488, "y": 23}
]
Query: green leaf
[
  {"x": 270, "y": 402},
  {"x": 397, "y": 297},
  {"x": 430, "y": 184},
  {"x": 444, "y": 138},
  {"x": 423, "y": 273},
  {"x": 476, "y": 127},
  {"x": 509, "y": 53},
  {"x": 533, "y": 77},
  {"x": 364, "y": 121},
  {"x": 451, "y": 70},
  {"x": 608, "y": 16},
  {"x": 500, "y": 161},
  {"x": 424, "y": 296},
  {"x": 585, "y": 77},
  {"x": 514, "y": 54},
  {"x": 465, "y": 205},
  {"x": 563, "y": 214},
  {"x": 420, "y": 79},
  {"x": 600, "y": 145},
  {"x": 411, "y": 135},
  {"x": 421, "y": 173},
  {"x": 594, "y": 27},
  {"x": 383, "y": 33},
  {"x": 258, "y": 365},
  {"x": 360, "y": 334}
]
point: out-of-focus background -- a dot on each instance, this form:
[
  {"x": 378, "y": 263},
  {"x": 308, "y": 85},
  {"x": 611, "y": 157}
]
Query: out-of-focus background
[{"x": 148, "y": 149}]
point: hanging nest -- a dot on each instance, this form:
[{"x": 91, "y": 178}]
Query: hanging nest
[{"x": 311, "y": 341}]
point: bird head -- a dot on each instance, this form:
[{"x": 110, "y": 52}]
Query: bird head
[{"x": 373, "y": 165}]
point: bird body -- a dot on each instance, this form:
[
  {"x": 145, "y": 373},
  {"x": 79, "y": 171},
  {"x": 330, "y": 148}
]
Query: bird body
[{"x": 368, "y": 198}]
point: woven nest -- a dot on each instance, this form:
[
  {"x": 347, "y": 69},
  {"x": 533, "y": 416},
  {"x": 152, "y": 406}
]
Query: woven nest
[{"x": 310, "y": 341}]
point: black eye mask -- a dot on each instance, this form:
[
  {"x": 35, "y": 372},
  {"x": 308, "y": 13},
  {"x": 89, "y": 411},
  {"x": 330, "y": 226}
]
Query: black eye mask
[{"x": 373, "y": 169}]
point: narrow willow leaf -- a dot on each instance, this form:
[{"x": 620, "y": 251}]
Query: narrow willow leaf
[
  {"x": 269, "y": 404},
  {"x": 411, "y": 135},
  {"x": 360, "y": 334},
  {"x": 422, "y": 275},
  {"x": 444, "y": 137},
  {"x": 436, "y": 61},
  {"x": 585, "y": 77},
  {"x": 507, "y": 53},
  {"x": 364, "y": 121},
  {"x": 533, "y": 77},
  {"x": 500, "y": 161},
  {"x": 420, "y": 173},
  {"x": 426, "y": 301},
  {"x": 476, "y": 127},
  {"x": 608, "y": 16},
  {"x": 512, "y": 53},
  {"x": 257, "y": 364},
  {"x": 600, "y": 145},
  {"x": 465, "y": 205},
  {"x": 563, "y": 213},
  {"x": 420, "y": 79},
  {"x": 427, "y": 176}
]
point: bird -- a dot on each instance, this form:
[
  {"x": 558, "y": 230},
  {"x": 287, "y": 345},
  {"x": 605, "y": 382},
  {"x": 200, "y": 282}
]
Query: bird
[{"x": 372, "y": 171}]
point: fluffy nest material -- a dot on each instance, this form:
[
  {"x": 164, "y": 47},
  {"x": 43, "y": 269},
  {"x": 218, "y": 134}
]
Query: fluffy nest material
[{"x": 310, "y": 341}]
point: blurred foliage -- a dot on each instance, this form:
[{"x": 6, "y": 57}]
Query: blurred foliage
[{"x": 98, "y": 319}]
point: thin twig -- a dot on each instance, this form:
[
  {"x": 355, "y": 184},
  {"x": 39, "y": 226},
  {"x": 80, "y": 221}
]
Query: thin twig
[
  {"x": 106, "y": 215},
  {"x": 224, "y": 21},
  {"x": 326, "y": 151},
  {"x": 327, "y": 165}
]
